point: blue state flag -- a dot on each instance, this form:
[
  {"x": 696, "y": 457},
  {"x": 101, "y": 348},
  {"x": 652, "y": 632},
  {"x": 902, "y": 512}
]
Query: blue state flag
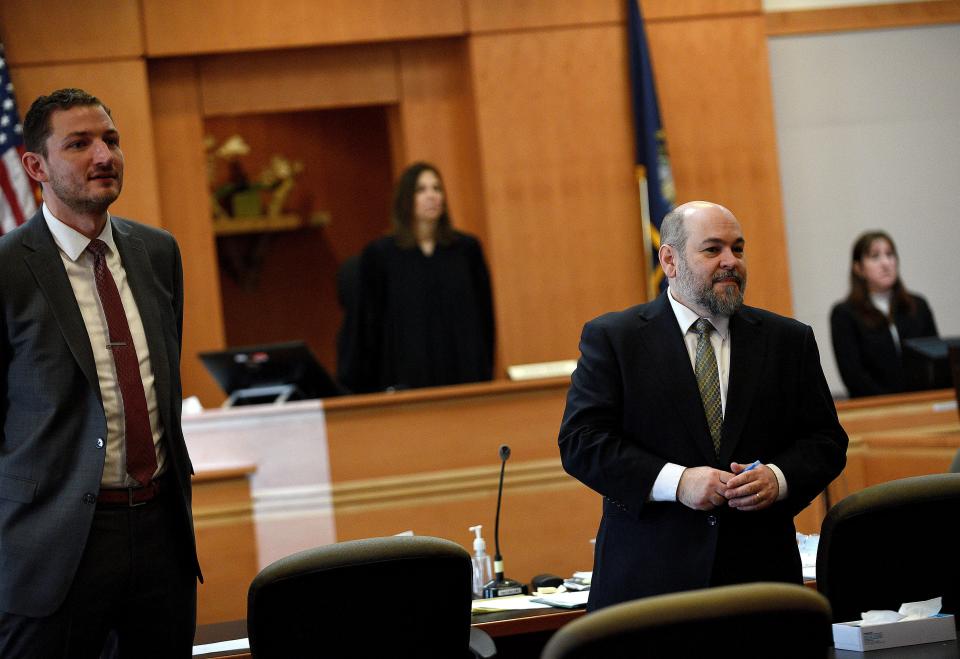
[{"x": 654, "y": 176}]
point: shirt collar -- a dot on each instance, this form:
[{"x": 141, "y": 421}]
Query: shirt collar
[
  {"x": 882, "y": 300},
  {"x": 687, "y": 317},
  {"x": 70, "y": 241}
]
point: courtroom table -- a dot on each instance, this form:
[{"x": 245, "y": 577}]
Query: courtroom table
[{"x": 522, "y": 635}]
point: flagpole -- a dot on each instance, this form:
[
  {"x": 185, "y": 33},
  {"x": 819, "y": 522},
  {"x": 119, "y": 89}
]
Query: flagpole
[
  {"x": 654, "y": 179},
  {"x": 645, "y": 229}
]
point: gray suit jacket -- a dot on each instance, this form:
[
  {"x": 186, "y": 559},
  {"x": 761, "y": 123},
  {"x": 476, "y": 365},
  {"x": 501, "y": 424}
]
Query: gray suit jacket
[
  {"x": 634, "y": 405},
  {"x": 51, "y": 415}
]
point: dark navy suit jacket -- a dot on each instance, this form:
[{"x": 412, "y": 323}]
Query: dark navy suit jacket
[
  {"x": 634, "y": 405},
  {"x": 51, "y": 415},
  {"x": 869, "y": 362}
]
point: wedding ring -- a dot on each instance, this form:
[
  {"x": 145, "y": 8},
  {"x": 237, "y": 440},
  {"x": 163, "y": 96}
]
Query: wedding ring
[{"x": 759, "y": 497}]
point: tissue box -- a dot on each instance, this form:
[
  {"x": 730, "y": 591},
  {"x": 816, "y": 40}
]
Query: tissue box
[{"x": 851, "y": 636}]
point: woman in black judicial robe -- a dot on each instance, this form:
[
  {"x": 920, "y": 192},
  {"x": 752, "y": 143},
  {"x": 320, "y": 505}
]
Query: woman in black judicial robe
[
  {"x": 869, "y": 327},
  {"x": 425, "y": 311}
]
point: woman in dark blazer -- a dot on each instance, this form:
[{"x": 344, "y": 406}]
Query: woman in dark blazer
[{"x": 869, "y": 327}]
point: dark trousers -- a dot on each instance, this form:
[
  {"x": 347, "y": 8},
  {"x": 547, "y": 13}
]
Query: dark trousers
[
  {"x": 756, "y": 554},
  {"x": 136, "y": 585}
]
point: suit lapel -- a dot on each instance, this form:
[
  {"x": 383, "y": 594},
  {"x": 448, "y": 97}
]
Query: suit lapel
[
  {"x": 139, "y": 271},
  {"x": 747, "y": 353},
  {"x": 44, "y": 260},
  {"x": 662, "y": 340}
]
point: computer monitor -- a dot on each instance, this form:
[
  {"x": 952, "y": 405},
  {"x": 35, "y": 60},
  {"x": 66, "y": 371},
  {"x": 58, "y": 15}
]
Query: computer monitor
[
  {"x": 926, "y": 362},
  {"x": 269, "y": 373}
]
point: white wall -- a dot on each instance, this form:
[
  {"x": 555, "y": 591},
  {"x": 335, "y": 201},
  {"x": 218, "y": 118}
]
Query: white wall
[{"x": 868, "y": 129}]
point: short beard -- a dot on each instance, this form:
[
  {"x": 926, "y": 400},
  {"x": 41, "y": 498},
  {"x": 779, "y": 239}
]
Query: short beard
[
  {"x": 726, "y": 303},
  {"x": 83, "y": 205}
]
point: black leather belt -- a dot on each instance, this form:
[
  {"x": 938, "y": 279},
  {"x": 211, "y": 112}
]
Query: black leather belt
[{"x": 129, "y": 496}]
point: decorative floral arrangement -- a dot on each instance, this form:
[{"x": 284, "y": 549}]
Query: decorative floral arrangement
[{"x": 239, "y": 196}]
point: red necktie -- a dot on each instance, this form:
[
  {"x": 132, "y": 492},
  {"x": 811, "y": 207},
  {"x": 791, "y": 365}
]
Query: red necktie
[{"x": 141, "y": 458}]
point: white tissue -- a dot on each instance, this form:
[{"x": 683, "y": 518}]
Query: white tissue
[
  {"x": 917, "y": 610},
  {"x": 908, "y": 611},
  {"x": 879, "y": 617}
]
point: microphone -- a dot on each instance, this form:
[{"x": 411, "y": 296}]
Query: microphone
[{"x": 500, "y": 586}]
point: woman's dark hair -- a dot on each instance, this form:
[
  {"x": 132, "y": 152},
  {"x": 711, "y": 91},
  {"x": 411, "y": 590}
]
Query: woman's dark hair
[
  {"x": 403, "y": 200},
  {"x": 859, "y": 295}
]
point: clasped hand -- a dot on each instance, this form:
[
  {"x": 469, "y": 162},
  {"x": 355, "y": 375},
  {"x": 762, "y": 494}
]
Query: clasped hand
[{"x": 706, "y": 488}]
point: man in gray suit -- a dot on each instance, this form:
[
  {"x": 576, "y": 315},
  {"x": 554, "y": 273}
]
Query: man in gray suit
[{"x": 96, "y": 532}]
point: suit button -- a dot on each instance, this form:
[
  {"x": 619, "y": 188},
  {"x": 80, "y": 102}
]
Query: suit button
[
  {"x": 99, "y": 442},
  {"x": 89, "y": 498},
  {"x": 712, "y": 520}
]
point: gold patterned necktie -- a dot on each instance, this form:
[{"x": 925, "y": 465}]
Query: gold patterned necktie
[{"x": 708, "y": 380}]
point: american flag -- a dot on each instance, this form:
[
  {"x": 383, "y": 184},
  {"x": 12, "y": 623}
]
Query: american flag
[{"x": 17, "y": 202}]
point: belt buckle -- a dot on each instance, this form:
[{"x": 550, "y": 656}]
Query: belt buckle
[{"x": 130, "y": 498}]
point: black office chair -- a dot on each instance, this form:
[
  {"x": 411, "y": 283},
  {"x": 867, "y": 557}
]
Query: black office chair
[
  {"x": 398, "y": 597},
  {"x": 758, "y": 619},
  {"x": 892, "y": 543}
]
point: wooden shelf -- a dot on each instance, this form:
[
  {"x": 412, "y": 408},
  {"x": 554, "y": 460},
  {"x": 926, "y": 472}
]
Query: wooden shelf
[{"x": 231, "y": 226}]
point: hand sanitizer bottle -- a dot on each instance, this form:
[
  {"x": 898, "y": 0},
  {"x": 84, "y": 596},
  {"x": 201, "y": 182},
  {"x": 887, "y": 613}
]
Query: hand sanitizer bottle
[{"x": 482, "y": 567}]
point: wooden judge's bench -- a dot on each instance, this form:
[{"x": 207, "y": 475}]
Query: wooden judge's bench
[{"x": 272, "y": 480}]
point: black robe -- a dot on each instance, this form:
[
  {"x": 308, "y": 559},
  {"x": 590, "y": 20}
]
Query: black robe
[{"x": 423, "y": 321}]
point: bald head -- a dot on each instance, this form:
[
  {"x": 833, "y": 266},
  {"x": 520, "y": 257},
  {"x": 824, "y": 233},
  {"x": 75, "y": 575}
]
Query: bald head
[
  {"x": 673, "y": 229},
  {"x": 701, "y": 251}
]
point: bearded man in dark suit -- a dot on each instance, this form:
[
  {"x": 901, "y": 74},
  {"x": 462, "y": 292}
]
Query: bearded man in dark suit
[
  {"x": 707, "y": 425},
  {"x": 96, "y": 532}
]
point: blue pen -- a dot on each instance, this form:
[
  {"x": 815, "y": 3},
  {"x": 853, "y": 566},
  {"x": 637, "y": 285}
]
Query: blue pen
[{"x": 756, "y": 463}]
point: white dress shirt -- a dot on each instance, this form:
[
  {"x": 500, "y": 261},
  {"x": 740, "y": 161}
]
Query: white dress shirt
[{"x": 79, "y": 266}]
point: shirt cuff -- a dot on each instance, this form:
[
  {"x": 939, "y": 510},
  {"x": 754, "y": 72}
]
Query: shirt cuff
[
  {"x": 668, "y": 480},
  {"x": 781, "y": 481}
]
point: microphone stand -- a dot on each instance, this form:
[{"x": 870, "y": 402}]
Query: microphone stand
[{"x": 500, "y": 586}]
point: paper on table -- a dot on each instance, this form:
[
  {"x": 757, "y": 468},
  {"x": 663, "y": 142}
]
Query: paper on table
[
  {"x": 908, "y": 611},
  {"x": 222, "y": 646},
  {"x": 807, "y": 544},
  {"x": 511, "y": 603},
  {"x": 568, "y": 600}
]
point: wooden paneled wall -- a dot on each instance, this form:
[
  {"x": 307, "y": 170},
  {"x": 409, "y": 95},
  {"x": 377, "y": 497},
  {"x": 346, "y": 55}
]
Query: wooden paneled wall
[
  {"x": 178, "y": 124},
  {"x": 556, "y": 139},
  {"x": 437, "y": 123},
  {"x": 186, "y": 27},
  {"x": 62, "y": 31},
  {"x": 522, "y": 104}
]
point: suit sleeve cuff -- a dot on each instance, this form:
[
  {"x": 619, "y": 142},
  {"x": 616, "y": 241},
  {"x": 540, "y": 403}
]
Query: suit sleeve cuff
[
  {"x": 665, "y": 487},
  {"x": 781, "y": 481}
]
